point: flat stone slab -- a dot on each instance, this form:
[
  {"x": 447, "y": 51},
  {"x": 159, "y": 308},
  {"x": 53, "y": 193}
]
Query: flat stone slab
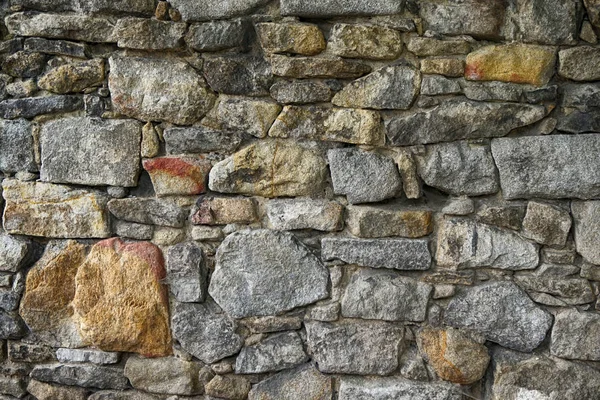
[{"x": 395, "y": 388}]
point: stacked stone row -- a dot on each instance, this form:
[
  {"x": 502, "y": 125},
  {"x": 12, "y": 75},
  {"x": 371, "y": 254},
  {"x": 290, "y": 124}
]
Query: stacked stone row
[{"x": 300, "y": 199}]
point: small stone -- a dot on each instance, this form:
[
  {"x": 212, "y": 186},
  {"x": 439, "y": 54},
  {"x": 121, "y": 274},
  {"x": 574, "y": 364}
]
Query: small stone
[
  {"x": 217, "y": 35},
  {"x": 302, "y": 383},
  {"x": 459, "y": 206},
  {"x": 559, "y": 256},
  {"x": 365, "y": 41},
  {"x": 270, "y": 169},
  {"x": 73, "y": 77},
  {"x": 158, "y": 89},
  {"x": 24, "y": 64},
  {"x": 587, "y": 224},
  {"x": 167, "y": 236},
  {"x": 181, "y": 175},
  {"x": 13, "y": 387},
  {"x": 374, "y": 222},
  {"x": 166, "y": 375},
  {"x": 214, "y": 9},
  {"x": 493, "y": 91},
  {"x": 238, "y": 75},
  {"x": 11, "y": 326},
  {"x": 13, "y": 45},
  {"x": 443, "y": 291},
  {"x": 447, "y": 66},
  {"x": 102, "y": 151},
  {"x": 317, "y": 67},
  {"x": 150, "y": 145},
  {"x": 548, "y": 21},
  {"x": 86, "y": 355},
  {"x": 433, "y": 85},
  {"x": 199, "y": 139},
  {"x": 205, "y": 331},
  {"x": 454, "y": 355},
  {"x": 144, "y": 33},
  {"x": 393, "y": 87},
  {"x": 272, "y": 324},
  {"x": 427, "y": 46},
  {"x": 206, "y": 233},
  {"x": 408, "y": 172},
  {"x": 508, "y": 216},
  {"x": 33, "y": 106},
  {"x": 44, "y": 391},
  {"x": 224, "y": 210},
  {"x": 133, "y": 230},
  {"x": 472, "y": 17},
  {"x": 503, "y": 313},
  {"x": 330, "y": 8},
  {"x": 174, "y": 15},
  {"x": 228, "y": 387},
  {"x": 364, "y": 177},
  {"x": 15, "y": 252},
  {"x": 187, "y": 273},
  {"x": 275, "y": 353},
  {"x": 16, "y": 146},
  {"x": 593, "y": 11},
  {"x": 48, "y": 210},
  {"x": 295, "y": 38},
  {"x": 327, "y": 312},
  {"x": 579, "y": 63},
  {"x": 385, "y": 295},
  {"x": 322, "y": 215},
  {"x": 161, "y": 12},
  {"x": 300, "y": 92},
  {"x": 83, "y": 375},
  {"x": 401, "y": 254},
  {"x": 22, "y": 88},
  {"x": 55, "y": 47},
  {"x": 546, "y": 224},
  {"x": 571, "y": 324},
  {"x": 30, "y": 353},
  {"x": 274, "y": 263},
  {"x": 355, "y": 348},
  {"x": 251, "y": 116},
  {"x": 148, "y": 211}
]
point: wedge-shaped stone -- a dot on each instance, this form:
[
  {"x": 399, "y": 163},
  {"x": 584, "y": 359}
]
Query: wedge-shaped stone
[
  {"x": 84, "y": 375},
  {"x": 464, "y": 243},
  {"x": 388, "y": 88},
  {"x": 270, "y": 169},
  {"x": 295, "y": 38},
  {"x": 331, "y": 8},
  {"x": 45, "y": 391},
  {"x": 503, "y": 313},
  {"x": 75, "y": 77},
  {"x": 402, "y": 254},
  {"x": 575, "y": 335},
  {"x": 385, "y": 295},
  {"x": 546, "y": 224},
  {"x": 11, "y": 325},
  {"x": 148, "y": 211},
  {"x": 158, "y": 89},
  {"x": 275, "y": 264},
  {"x": 396, "y": 388},
  {"x": 275, "y": 353},
  {"x": 460, "y": 17},
  {"x": 587, "y": 226},
  {"x": 151, "y": 34},
  {"x": 192, "y": 10},
  {"x": 100, "y": 152},
  {"x": 178, "y": 175},
  {"x": 302, "y": 383},
  {"x": 355, "y": 348},
  {"x": 365, "y": 41},
  {"x": 461, "y": 119},
  {"x": 165, "y": 375},
  {"x": 330, "y": 124},
  {"x": 374, "y": 222},
  {"x": 16, "y": 146},
  {"x": 186, "y": 272},
  {"x": 317, "y": 67},
  {"x": 555, "y": 166},
  {"x": 45, "y": 209},
  {"x": 579, "y": 63}
]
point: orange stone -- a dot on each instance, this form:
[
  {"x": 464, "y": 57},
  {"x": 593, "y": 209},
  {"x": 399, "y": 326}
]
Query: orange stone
[{"x": 178, "y": 175}]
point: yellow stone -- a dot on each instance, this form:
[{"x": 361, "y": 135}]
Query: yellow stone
[
  {"x": 296, "y": 38},
  {"x": 447, "y": 66}
]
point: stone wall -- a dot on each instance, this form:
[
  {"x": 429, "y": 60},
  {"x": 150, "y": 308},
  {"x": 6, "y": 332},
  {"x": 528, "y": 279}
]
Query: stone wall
[{"x": 300, "y": 199}]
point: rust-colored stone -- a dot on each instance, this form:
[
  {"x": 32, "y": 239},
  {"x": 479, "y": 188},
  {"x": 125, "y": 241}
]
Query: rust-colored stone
[{"x": 178, "y": 175}]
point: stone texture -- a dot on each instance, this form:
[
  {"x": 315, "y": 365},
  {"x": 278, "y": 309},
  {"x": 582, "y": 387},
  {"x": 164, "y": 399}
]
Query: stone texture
[
  {"x": 363, "y": 177},
  {"x": 302, "y": 383},
  {"x": 459, "y": 168},
  {"x": 395, "y": 388},
  {"x": 165, "y": 375},
  {"x": 84, "y": 375},
  {"x": 76, "y": 77},
  {"x": 300, "y": 92},
  {"x": 587, "y": 224},
  {"x": 121, "y": 395},
  {"x": 579, "y": 63},
  {"x": 178, "y": 175},
  {"x": 548, "y": 21},
  {"x": 581, "y": 108},
  {"x": 461, "y": 119},
  {"x": 295, "y": 38},
  {"x": 274, "y": 264},
  {"x": 374, "y": 222},
  {"x": 275, "y": 353},
  {"x": 158, "y": 89},
  {"x": 454, "y": 355},
  {"x": 493, "y": 91},
  {"x": 56, "y": 47},
  {"x": 355, "y": 348},
  {"x": 229, "y": 387},
  {"x": 102, "y": 6},
  {"x": 470, "y": 17},
  {"x": 252, "y": 116},
  {"x": 12, "y": 386},
  {"x": 33, "y": 106},
  {"x": 199, "y": 139},
  {"x": 16, "y": 146},
  {"x": 433, "y": 85},
  {"x": 401, "y": 254},
  {"x": 238, "y": 75},
  {"x": 15, "y": 252},
  {"x": 393, "y": 87},
  {"x": 270, "y": 169},
  {"x": 317, "y": 67},
  {"x": 555, "y": 166},
  {"x": 86, "y": 355},
  {"x": 503, "y": 313},
  {"x": 11, "y": 326},
  {"x": 517, "y": 63},
  {"x": 186, "y": 272},
  {"x": 365, "y": 41},
  {"x": 44, "y": 391},
  {"x": 148, "y": 211},
  {"x": 24, "y": 64},
  {"x": 217, "y": 35},
  {"x": 214, "y": 9},
  {"x": 575, "y": 335},
  {"x": 101, "y": 152},
  {"x": 45, "y": 209},
  {"x": 385, "y": 295},
  {"x": 546, "y": 224},
  {"x": 322, "y": 215},
  {"x": 150, "y": 34},
  {"x": 224, "y": 210},
  {"x": 429, "y": 46},
  {"x": 593, "y": 11},
  {"x": 330, "y": 8}
]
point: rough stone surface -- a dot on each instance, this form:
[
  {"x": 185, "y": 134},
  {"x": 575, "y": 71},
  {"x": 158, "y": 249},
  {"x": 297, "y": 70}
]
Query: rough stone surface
[
  {"x": 302, "y": 383},
  {"x": 142, "y": 33},
  {"x": 548, "y": 21},
  {"x": 586, "y": 216},
  {"x": 274, "y": 264},
  {"x": 446, "y": 66},
  {"x": 56, "y": 47},
  {"x": 364, "y": 41},
  {"x": 546, "y": 224},
  {"x": 230, "y": 387},
  {"x": 300, "y": 92},
  {"x": 254, "y": 117},
  {"x": 15, "y": 252},
  {"x": 471, "y": 17},
  {"x": 433, "y": 85},
  {"x": 579, "y": 63},
  {"x": 503, "y": 313},
  {"x": 295, "y": 38},
  {"x": 217, "y": 35},
  {"x": 570, "y": 324},
  {"x": 363, "y": 177},
  {"x": 105, "y": 6},
  {"x": 178, "y": 175},
  {"x": 355, "y": 348},
  {"x": 275, "y": 353},
  {"x": 186, "y": 272},
  {"x": 224, "y": 210},
  {"x": 385, "y": 295},
  {"x": 214, "y": 9},
  {"x": 147, "y": 211},
  {"x": 428, "y": 46},
  {"x": 84, "y": 375},
  {"x": 44, "y": 391},
  {"x": 73, "y": 77},
  {"x": 11, "y": 326},
  {"x": 317, "y": 67},
  {"x": 199, "y": 139},
  {"x": 24, "y": 64},
  {"x": 85, "y": 355},
  {"x": 373, "y": 222},
  {"x": 395, "y": 388},
  {"x": 33, "y": 106},
  {"x": 16, "y": 146},
  {"x": 305, "y": 213},
  {"x": 593, "y": 11},
  {"x": 238, "y": 75},
  {"x": 330, "y": 8},
  {"x": 165, "y": 375}
]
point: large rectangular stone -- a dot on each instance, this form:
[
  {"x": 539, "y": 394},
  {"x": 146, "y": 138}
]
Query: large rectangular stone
[
  {"x": 556, "y": 166},
  {"x": 331, "y": 8}
]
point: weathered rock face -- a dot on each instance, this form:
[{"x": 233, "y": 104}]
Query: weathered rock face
[
  {"x": 186, "y": 272},
  {"x": 15, "y": 252},
  {"x": 300, "y": 92},
  {"x": 579, "y": 63},
  {"x": 572, "y": 323},
  {"x": 73, "y": 77},
  {"x": 224, "y": 210},
  {"x": 84, "y": 375},
  {"x": 586, "y": 216},
  {"x": 147, "y": 211},
  {"x": 471, "y": 17},
  {"x": 593, "y": 11},
  {"x": 274, "y": 264},
  {"x": 44, "y": 391},
  {"x": 305, "y": 67},
  {"x": 305, "y": 39},
  {"x": 252, "y": 116},
  {"x": 33, "y": 106},
  {"x": 548, "y": 22},
  {"x": 373, "y": 222},
  {"x": 306, "y": 213},
  {"x": 157, "y": 89},
  {"x": 301, "y": 383},
  {"x": 276, "y": 353},
  {"x": 546, "y": 224},
  {"x": 166, "y": 375},
  {"x": 364, "y": 41},
  {"x": 330, "y": 8},
  {"x": 395, "y": 388},
  {"x": 217, "y": 35},
  {"x": 199, "y": 140},
  {"x": 193, "y": 11},
  {"x": 141, "y": 33},
  {"x": 178, "y": 175},
  {"x": 16, "y": 146}
]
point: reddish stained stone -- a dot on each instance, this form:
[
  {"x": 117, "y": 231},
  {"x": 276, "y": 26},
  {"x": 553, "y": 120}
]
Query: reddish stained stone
[{"x": 178, "y": 175}]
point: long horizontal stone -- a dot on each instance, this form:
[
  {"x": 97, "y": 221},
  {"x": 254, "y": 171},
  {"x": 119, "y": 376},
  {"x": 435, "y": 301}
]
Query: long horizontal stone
[
  {"x": 192, "y": 10},
  {"x": 30, "y": 107},
  {"x": 58, "y": 47},
  {"x": 104, "y": 6},
  {"x": 199, "y": 139},
  {"x": 402, "y": 254},
  {"x": 90, "y": 376},
  {"x": 555, "y": 166},
  {"x": 148, "y": 211},
  {"x": 396, "y": 388},
  {"x": 316, "y": 67},
  {"x": 481, "y": 19},
  {"x": 332, "y": 8}
]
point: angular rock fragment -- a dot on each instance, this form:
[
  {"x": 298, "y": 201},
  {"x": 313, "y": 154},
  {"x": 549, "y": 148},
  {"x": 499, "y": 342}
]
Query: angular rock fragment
[
  {"x": 581, "y": 108},
  {"x": 302, "y": 383},
  {"x": 30, "y": 107},
  {"x": 217, "y": 35},
  {"x": 493, "y": 90},
  {"x": 87, "y": 355},
  {"x": 238, "y": 75},
  {"x": 15, "y": 252},
  {"x": 395, "y": 388},
  {"x": 214, "y": 9},
  {"x": 546, "y": 224},
  {"x": 446, "y": 66},
  {"x": 365, "y": 41},
  {"x": 252, "y": 116},
  {"x": 44, "y": 391},
  {"x": 587, "y": 225},
  {"x": 148, "y": 211},
  {"x": 56, "y": 47},
  {"x": 184, "y": 175},
  {"x": 199, "y": 139},
  {"x": 275, "y": 353},
  {"x": 579, "y": 63},
  {"x": 103, "y": 6},
  {"x": 295, "y": 38},
  {"x": 165, "y": 375},
  {"x": 186, "y": 272},
  {"x": 151, "y": 34},
  {"x": 322, "y": 215},
  {"x": 224, "y": 210},
  {"x": 84, "y": 375},
  {"x": 374, "y": 222},
  {"x": 11, "y": 326},
  {"x": 300, "y": 92},
  {"x": 317, "y": 67},
  {"x": 24, "y": 64},
  {"x": 71, "y": 78},
  {"x": 16, "y": 146},
  {"x": 551, "y": 22},
  {"x": 575, "y": 335},
  {"x": 331, "y": 8},
  {"x": 458, "y": 17},
  {"x": 231, "y": 387},
  {"x": 433, "y": 85},
  {"x": 593, "y": 11}
]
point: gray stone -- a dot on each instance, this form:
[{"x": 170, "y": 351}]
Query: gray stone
[
  {"x": 191, "y": 10},
  {"x": 165, "y": 375},
  {"x": 581, "y": 112},
  {"x": 30, "y": 353},
  {"x": 555, "y": 166},
  {"x": 148, "y": 211},
  {"x": 461, "y": 119},
  {"x": 186, "y": 272},
  {"x": 22, "y": 89},
  {"x": 459, "y": 168},
  {"x": 506, "y": 216},
  {"x": 231, "y": 387},
  {"x": 101, "y": 152},
  {"x": 204, "y": 331},
  {"x": 273, "y": 323},
  {"x": 252, "y": 116},
  {"x": 362, "y": 176},
  {"x": 75, "y": 77},
  {"x": 11, "y": 326},
  {"x": 9, "y": 299},
  {"x": 551, "y": 22},
  {"x": 33, "y": 106},
  {"x": 575, "y": 335},
  {"x": 429, "y": 46},
  {"x": 464, "y": 243},
  {"x": 121, "y": 395},
  {"x": 365, "y": 41},
  {"x": 388, "y": 220},
  {"x": 238, "y": 75},
  {"x": 300, "y": 92},
  {"x": 587, "y": 225},
  {"x": 217, "y": 35},
  {"x": 275, "y": 353},
  {"x": 397, "y": 389},
  {"x": 546, "y": 224},
  {"x": 393, "y": 87},
  {"x": 385, "y": 295},
  {"x": 317, "y": 67},
  {"x": 355, "y": 348},
  {"x": 327, "y": 312},
  {"x": 133, "y": 230},
  {"x": 459, "y": 17},
  {"x": 55, "y": 47},
  {"x": 579, "y": 63},
  {"x": 401, "y": 254},
  {"x": 12, "y": 386},
  {"x": 199, "y": 139},
  {"x": 272, "y": 263},
  {"x": 433, "y": 85},
  {"x": 153, "y": 89},
  {"x": 492, "y": 91},
  {"x": 151, "y": 34},
  {"x": 44, "y": 391},
  {"x": 332, "y": 8},
  {"x": 322, "y": 215},
  {"x": 459, "y": 206},
  {"x": 105, "y": 6},
  {"x": 15, "y": 252},
  {"x": 86, "y": 355},
  {"x": 302, "y": 383},
  {"x": 24, "y": 64},
  {"x": 559, "y": 256},
  {"x": 503, "y": 313},
  {"x": 593, "y": 11},
  {"x": 84, "y": 375},
  {"x": 66, "y": 26}
]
